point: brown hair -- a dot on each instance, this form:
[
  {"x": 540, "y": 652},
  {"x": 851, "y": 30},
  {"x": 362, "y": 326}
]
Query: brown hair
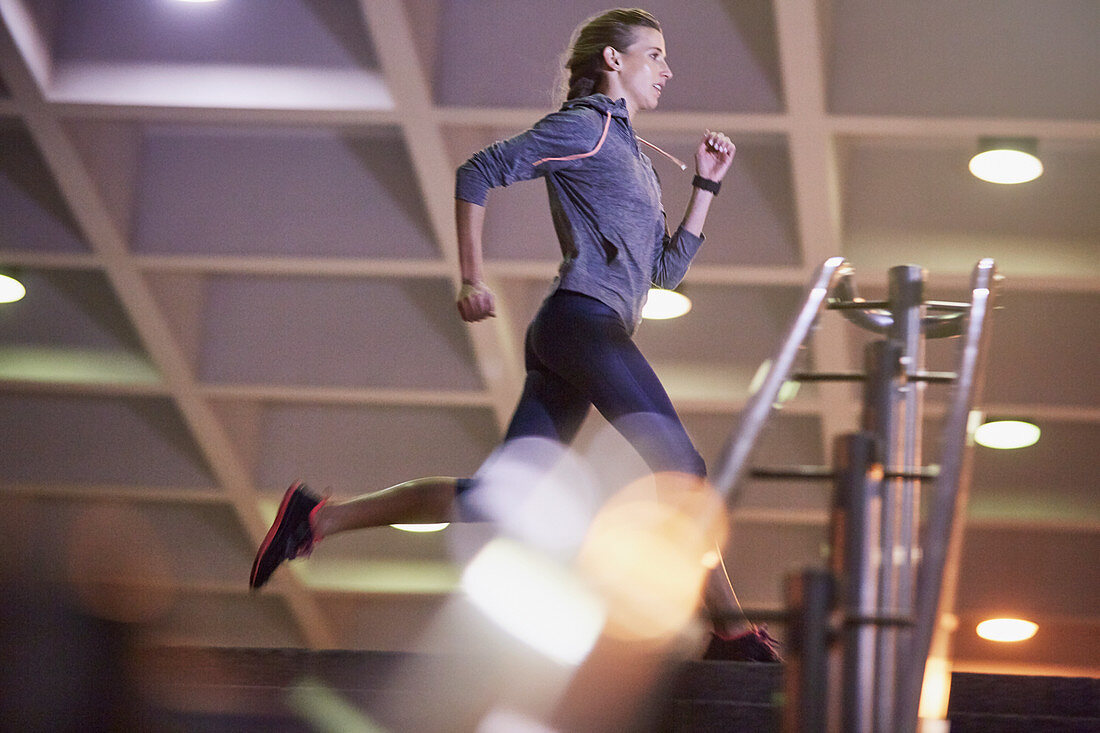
[{"x": 613, "y": 28}]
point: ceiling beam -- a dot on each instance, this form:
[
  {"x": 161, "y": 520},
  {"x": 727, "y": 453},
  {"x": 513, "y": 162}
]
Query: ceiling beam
[
  {"x": 497, "y": 358},
  {"x": 540, "y": 270},
  {"x": 886, "y": 126},
  {"x": 511, "y": 118},
  {"x": 814, "y": 178},
  {"x": 439, "y": 398},
  {"x": 198, "y": 115}
]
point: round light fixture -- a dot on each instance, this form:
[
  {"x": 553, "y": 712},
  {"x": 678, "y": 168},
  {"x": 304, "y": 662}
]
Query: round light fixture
[
  {"x": 1007, "y": 434},
  {"x": 421, "y": 528},
  {"x": 1007, "y": 629},
  {"x": 664, "y": 304},
  {"x": 1007, "y": 160},
  {"x": 11, "y": 289}
]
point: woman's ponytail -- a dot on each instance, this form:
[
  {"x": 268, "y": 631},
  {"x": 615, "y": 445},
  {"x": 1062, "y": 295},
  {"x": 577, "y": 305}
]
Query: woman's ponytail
[{"x": 580, "y": 86}]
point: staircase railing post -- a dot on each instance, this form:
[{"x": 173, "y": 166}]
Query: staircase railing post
[
  {"x": 882, "y": 363},
  {"x": 892, "y": 412},
  {"x": 907, "y": 299},
  {"x": 810, "y": 596},
  {"x": 856, "y": 529}
]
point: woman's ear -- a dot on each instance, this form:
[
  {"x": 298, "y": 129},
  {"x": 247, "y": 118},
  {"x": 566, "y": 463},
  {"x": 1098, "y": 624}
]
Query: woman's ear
[{"x": 611, "y": 58}]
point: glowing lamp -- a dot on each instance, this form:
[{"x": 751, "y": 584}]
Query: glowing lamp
[
  {"x": 664, "y": 304},
  {"x": 1007, "y": 434},
  {"x": 11, "y": 289},
  {"x": 1007, "y": 629},
  {"x": 422, "y": 528},
  {"x": 1007, "y": 160}
]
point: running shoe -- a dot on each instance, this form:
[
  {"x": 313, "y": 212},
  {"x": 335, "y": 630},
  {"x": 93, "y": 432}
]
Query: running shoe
[
  {"x": 756, "y": 645},
  {"x": 290, "y": 536}
]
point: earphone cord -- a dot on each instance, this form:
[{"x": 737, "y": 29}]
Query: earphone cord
[
  {"x": 673, "y": 158},
  {"x": 603, "y": 137},
  {"x": 726, "y": 575}
]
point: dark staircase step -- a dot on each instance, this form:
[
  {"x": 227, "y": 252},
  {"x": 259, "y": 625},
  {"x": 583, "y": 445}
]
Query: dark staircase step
[
  {"x": 1000, "y": 703},
  {"x": 723, "y": 697},
  {"x": 250, "y": 690},
  {"x": 990, "y": 723}
]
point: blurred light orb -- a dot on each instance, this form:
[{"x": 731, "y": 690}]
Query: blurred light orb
[
  {"x": 787, "y": 391},
  {"x": 536, "y": 491},
  {"x": 646, "y": 555},
  {"x": 535, "y": 599}
]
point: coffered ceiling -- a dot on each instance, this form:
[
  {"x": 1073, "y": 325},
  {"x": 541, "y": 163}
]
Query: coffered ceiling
[{"x": 234, "y": 221}]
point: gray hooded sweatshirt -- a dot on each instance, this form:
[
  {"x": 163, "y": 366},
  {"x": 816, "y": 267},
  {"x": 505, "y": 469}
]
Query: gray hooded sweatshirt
[{"x": 605, "y": 202}]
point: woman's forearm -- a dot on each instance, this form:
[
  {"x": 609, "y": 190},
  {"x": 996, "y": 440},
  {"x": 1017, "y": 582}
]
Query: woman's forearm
[
  {"x": 713, "y": 158},
  {"x": 696, "y": 214},
  {"x": 469, "y": 224}
]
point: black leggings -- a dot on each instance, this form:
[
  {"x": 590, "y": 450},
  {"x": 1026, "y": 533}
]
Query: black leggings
[{"x": 578, "y": 352}]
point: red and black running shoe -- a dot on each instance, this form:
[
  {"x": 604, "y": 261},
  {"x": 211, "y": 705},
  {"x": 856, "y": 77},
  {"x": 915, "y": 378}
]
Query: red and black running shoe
[
  {"x": 755, "y": 645},
  {"x": 290, "y": 536}
]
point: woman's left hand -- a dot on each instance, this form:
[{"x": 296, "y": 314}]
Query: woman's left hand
[{"x": 714, "y": 155}]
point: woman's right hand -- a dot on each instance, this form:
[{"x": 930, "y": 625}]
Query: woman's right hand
[{"x": 475, "y": 302}]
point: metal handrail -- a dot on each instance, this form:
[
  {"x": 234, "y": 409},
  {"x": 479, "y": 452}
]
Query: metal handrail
[
  {"x": 942, "y": 535},
  {"x": 872, "y": 317},
  {"x": 735, "y": 458},
  {"x": 906, "y": 324}
]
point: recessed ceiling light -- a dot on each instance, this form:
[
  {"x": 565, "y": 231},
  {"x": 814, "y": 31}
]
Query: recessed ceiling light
[
  {"x": 1007, "y": 160},
  {"x": 1007, "y": 629},
  {"x": 664, "y": 304},
  {"x": 435, "y": 527},
  {"x": 11, "y": 289},
  {"x": 1007, "y": 434}
]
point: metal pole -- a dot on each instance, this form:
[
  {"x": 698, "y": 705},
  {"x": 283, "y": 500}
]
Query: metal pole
[
  {"x": 893, "y": 413},
  {"x": 907, "y": 303},
  {"x": 810, "y": 600},
  {"x": 907, "y": 290},
  {"x": 855, "y": 552},
  {"x": 882, "y": 361}
]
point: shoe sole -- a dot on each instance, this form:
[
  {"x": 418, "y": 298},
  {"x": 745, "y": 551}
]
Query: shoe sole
[{"x": 275, "y": 527}]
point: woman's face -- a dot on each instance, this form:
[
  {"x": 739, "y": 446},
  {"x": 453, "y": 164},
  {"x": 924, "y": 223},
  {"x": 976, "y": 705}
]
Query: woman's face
[{"x": 644, "y": 70}]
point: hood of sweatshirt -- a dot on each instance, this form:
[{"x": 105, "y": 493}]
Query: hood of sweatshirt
[{"x": 601, "y": 103}]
